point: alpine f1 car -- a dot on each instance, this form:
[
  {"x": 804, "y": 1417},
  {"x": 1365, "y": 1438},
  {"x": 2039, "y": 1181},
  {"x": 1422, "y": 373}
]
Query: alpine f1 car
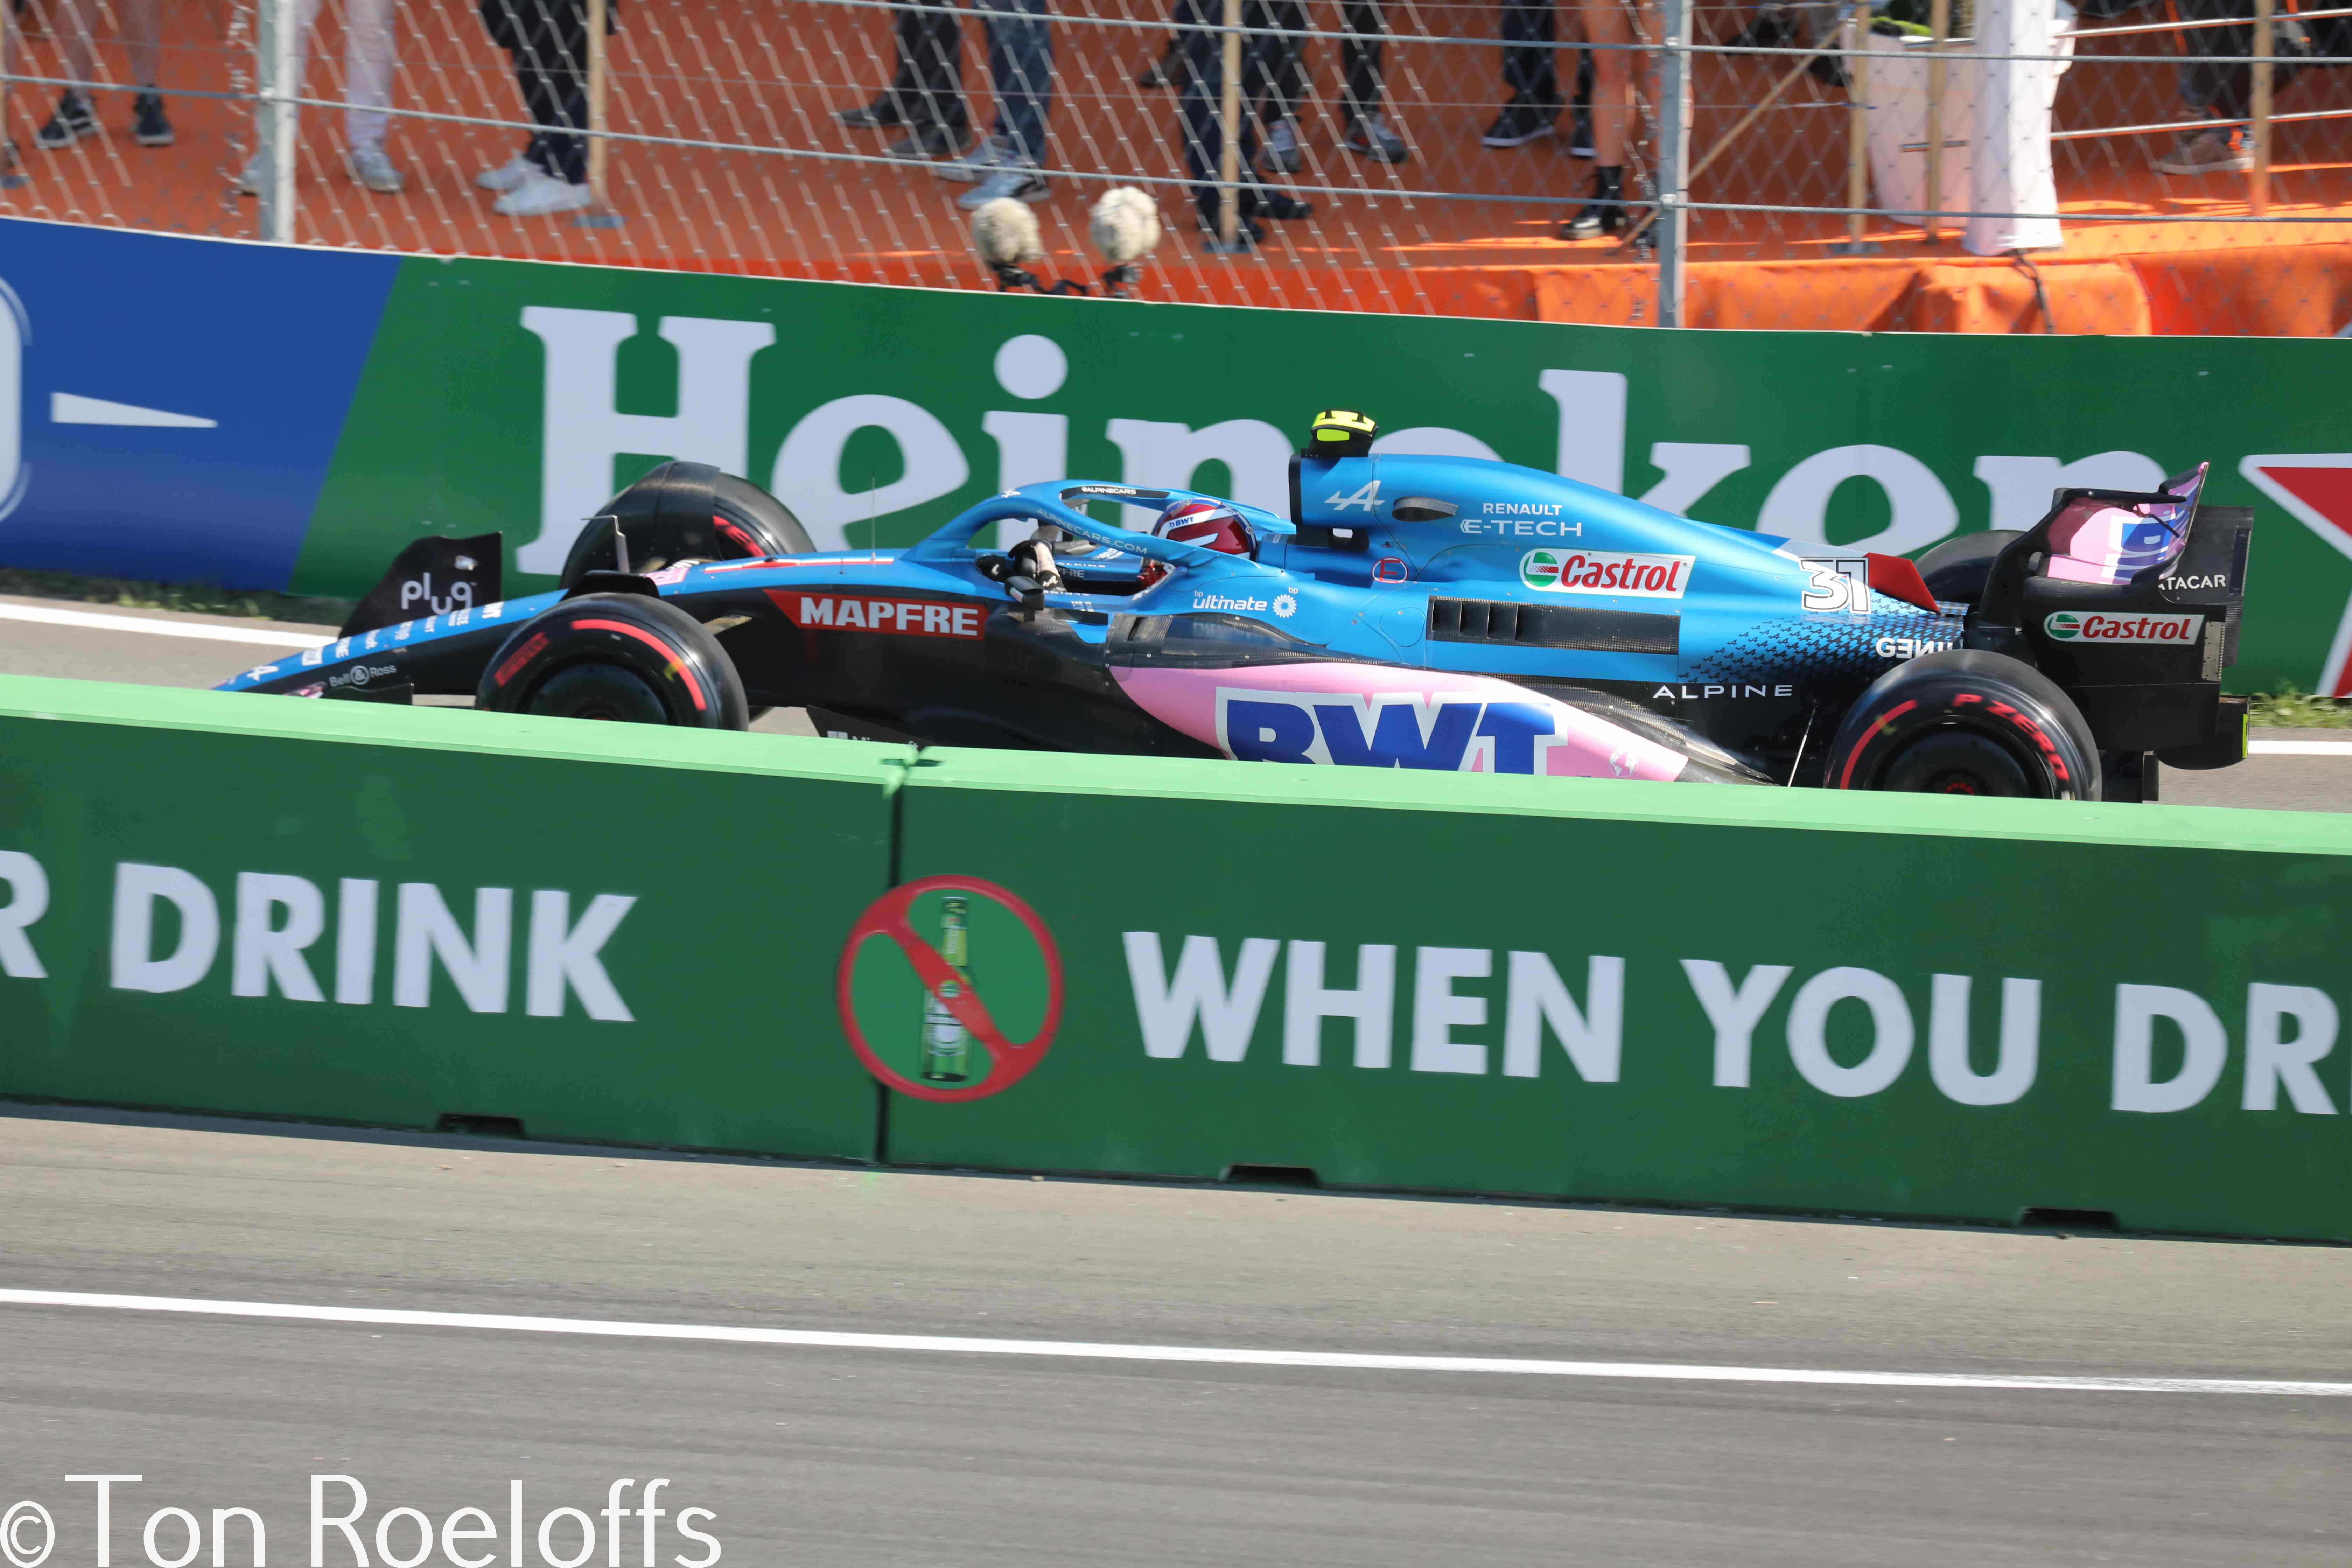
[{"x": 1416, "y": 612}]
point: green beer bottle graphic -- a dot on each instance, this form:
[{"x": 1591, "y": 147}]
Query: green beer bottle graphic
[{"x": 947, "y": 1048}]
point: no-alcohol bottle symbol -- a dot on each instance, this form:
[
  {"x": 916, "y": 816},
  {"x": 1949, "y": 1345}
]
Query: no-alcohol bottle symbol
[{"x": 950, "y": 988}]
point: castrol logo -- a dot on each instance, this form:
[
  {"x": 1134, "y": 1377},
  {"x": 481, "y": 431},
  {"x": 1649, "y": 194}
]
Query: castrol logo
[
  {"x": 2075, "y": 625},
  {"x": 1601, "y": 572}
]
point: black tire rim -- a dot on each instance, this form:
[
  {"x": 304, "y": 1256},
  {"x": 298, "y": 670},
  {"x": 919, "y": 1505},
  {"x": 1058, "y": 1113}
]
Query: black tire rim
[
  {"x": 598, "y": 688},
  {"x": 1954, "y": 760}
]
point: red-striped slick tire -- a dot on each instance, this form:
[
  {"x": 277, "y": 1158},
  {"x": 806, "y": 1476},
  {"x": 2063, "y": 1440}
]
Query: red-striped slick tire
[
  {"x": 618, "y": 657},
  {"x": 1965, "y": 722}
]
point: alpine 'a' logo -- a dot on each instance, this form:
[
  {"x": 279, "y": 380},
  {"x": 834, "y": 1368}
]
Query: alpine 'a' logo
[{"x": 1369, "y": 497}]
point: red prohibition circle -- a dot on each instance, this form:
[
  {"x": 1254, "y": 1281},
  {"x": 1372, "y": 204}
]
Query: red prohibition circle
[{"x": 1012, "y": 1061}]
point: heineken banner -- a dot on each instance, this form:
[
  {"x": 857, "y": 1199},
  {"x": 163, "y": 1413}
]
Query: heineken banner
[
  {"x": 282, "y": 418},
  {"x": 1891, "y": 1005}
]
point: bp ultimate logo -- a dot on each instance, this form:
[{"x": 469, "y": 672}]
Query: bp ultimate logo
[{"x": 1604, "y": 572}]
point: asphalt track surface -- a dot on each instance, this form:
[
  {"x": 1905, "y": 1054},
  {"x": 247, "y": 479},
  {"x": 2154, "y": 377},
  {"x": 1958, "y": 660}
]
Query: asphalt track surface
[
  {"x": 106, "y": 652},
  {"x": 887, "y": 1455},
  {"x": 811, "y": 1455}
]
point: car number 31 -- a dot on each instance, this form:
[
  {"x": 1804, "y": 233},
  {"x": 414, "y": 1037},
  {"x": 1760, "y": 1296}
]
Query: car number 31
[{"x": 1840, "y": 584}]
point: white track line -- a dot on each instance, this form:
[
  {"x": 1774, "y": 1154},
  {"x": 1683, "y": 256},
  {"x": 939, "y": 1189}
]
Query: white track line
[
  {"x": 1081, "y": 1350},
  {"x": 86, "y": 621},
  {"x": 2300, "y": 747}
]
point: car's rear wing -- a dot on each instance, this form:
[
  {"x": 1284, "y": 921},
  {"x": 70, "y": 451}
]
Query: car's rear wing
[
  {"x": 2130, "y": 601},
  {"x": 2186, "y": 554}
]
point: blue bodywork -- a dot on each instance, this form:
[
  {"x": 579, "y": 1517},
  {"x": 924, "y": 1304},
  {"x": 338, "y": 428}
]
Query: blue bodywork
[{"x": 1432, "y": 564}]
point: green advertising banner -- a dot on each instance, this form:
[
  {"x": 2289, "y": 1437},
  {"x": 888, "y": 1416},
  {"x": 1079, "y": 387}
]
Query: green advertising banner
[
  {"x": 354, "y": 912},
  {"x": 1884, "y": 1003},
  {"x": 1893, "y": 1004},
  {"x": 328, "y": 407},
  {"x": 516, "y": 396}
]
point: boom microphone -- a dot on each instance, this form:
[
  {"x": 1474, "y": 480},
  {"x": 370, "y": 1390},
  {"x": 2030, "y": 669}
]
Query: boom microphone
[
  {"x": 1004, "y": 232},
  {"x": 1125, "y": 226}
]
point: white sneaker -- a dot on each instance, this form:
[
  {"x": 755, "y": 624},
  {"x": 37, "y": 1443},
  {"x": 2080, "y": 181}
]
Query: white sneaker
[
  {"x": 1015, "y": 177},
  {"x": 543, "y": 194},
  {"x": 508, "y": 176},
  {"x": 978, "y": 164},
  {"x": 1281, "y": 150},
  {"x": 372, "y": 167}
]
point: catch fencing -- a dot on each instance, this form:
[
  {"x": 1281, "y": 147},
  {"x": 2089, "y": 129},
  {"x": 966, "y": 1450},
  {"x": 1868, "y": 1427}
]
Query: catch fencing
[{"x": 1778, "y": 161}]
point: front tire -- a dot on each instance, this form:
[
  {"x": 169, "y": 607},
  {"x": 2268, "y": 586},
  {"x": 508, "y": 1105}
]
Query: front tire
[
  {"x": 620, "y": 657},
  {"x": 1965, "y": 722}
]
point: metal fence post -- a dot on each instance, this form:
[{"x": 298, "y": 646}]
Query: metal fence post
[
  {"x": 1939, "y": 34},
  {"x": 1673, "y": 161},
  {"x": 1229, "y": 130},
  {"x": 277, "y": 84},
  {"x": 2258, "y": 185}
]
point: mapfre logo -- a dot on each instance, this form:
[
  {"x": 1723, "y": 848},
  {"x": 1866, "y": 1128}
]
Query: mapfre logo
[
  {"x": 2177, "y": 631},
  {"x": 901, "y": 618},
  {"x": 1601, "y": 572}
]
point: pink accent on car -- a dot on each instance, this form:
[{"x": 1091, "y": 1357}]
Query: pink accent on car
[{"x": 1354, "y": 697}]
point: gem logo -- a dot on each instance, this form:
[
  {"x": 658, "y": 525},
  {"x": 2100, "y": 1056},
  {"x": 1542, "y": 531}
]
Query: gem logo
[
  {"x": 2169, "y": 631},
  {"x": 1603, "y": 572}
]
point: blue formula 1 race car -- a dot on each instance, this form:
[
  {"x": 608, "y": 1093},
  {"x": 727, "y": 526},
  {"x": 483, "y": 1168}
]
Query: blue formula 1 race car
[{"x": 1417, "y": 612}]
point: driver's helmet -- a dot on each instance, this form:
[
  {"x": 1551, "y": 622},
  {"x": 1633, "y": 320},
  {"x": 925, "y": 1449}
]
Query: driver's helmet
[{"x": 1213, "y": 525}]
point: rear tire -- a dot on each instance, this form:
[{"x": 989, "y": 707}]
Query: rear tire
[
  {"x": 1956, "y": 570},
  {"x": 621, "y": 657},
  {"x": 1966, "y": 722}
]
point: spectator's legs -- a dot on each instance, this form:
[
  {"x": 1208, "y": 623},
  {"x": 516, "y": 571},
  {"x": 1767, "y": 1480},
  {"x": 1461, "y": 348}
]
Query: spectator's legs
[
  {"x": 1363, "y": 27},
  {"x": 1608, "y": 22},
  {"x": 549, "y": 41},
  {"x": 367, "y": 71},
  {"x": 1021, "y": 74},
  {"x": 1530, "y": 73},
  {"x": 1285, "y": 68},
  {"x": 143, "y": 39},
  {"x": 1280, "y": 64},
  {"x": 930, "y": 46},
  {"x": 74, "y": 22},
  {"x": 2216, "y": 80},
  {"x": 1201, "y": 80},
  {"x": 1527, "y": 72}
]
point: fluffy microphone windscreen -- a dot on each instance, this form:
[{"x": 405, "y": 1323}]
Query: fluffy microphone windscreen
[
  {"x": 1124, "y": 225},
  {"x": 1005, "y": 234}
]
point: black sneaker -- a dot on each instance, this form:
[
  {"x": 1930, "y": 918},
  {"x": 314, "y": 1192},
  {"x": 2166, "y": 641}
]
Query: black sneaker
[
  {"x": 150, "y": 127},
  {"x": 882, "y": 114},
  {"x": 1248, "y": 232},
  {"x": 1282, "y": 206},
  {"x": 71, "y": 122},
  {"x": 1604, "y": 211},
  {"x": 1520, "y": 123},
  {"x": 1161, "y": 70}
]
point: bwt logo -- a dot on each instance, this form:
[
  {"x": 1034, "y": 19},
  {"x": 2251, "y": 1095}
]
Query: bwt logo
[{"x": 1447, "y": 734}]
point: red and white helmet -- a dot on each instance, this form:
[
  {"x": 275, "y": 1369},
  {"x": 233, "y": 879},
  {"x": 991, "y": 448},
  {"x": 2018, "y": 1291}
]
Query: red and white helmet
[{"x": 1213, "y": 525}]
